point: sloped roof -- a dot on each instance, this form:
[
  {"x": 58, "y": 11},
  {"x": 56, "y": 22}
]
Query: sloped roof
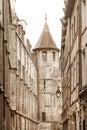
[{"x": 45, "y": 41}]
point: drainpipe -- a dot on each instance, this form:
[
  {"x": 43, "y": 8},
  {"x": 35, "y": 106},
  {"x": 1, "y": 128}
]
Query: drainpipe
[
  {"x": 80, "y": 56},
  {"x": 69, "y": 65},
  {"x": 3, "y": 24},
  {"x": 3, "y": 48},
  {"x": 79, "y": 45},
  {"x": 3, "y": 39}
]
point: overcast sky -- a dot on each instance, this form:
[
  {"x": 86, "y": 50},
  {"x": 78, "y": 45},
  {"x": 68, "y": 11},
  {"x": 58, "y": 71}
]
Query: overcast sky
[{"x": 33, "y": 11}]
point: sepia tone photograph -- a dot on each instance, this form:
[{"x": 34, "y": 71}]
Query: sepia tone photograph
[{"x": 43, "y": 65}]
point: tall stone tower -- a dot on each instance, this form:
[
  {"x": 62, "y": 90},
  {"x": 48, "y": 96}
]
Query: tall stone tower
[{"x": 46, "y": 54}]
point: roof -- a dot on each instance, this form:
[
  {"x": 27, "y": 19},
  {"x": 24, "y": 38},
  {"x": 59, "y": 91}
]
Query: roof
[{"x": 45, "y": 41}]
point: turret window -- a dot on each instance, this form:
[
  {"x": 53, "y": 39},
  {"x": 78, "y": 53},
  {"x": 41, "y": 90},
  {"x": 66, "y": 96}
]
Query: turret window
[
  {"x": 53, "y": 56},
  {"x": 44, "y": 56}
]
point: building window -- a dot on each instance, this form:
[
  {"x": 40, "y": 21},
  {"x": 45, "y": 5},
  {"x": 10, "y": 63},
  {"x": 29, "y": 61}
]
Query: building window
[
  {"x": 13, "y": 120},
  {"x": 74, "y": 75},
  {"x": 72, "y": 31},
  {"x": 44, "y": 84},
  {"x": 72, "y": 71},
  {"x": 84, "y": 125},
  {"x": 19, "y": 122},
  {"x": 77, "y": 68},
  {"x": 44, "y": 56},
  {"x": 53, "y": 56},
  {"x": 74, "y": 25},
  {"x": 77, "y": 17},
  {"x": 19, "y": 68},
  {"x": 54, "y": 101},
  {"x": 43, "y": 116}
]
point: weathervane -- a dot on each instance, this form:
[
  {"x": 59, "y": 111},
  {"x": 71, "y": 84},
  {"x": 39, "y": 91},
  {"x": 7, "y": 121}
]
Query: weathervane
[{"x": 45, "y": 17}]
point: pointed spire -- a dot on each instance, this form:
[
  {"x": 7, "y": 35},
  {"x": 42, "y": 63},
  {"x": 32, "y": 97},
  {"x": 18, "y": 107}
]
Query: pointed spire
[
  {"x": 45, "y": 41},
  {"x": 45, "y": 18}
]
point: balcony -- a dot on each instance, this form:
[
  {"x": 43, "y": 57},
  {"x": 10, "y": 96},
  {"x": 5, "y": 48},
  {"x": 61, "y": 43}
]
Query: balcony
[{"x": 69, "y": 7}]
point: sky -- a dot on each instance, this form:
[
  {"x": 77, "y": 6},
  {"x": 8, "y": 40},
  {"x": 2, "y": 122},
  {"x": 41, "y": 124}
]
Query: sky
[{"x": 33, "y": 11}]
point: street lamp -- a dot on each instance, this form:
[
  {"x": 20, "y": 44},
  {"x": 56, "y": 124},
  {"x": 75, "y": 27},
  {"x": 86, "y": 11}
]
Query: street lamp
[{"x": 58, "y": 92}]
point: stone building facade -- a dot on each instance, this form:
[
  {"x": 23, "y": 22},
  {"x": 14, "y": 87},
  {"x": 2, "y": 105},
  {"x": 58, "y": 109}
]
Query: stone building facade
[
  {"x": 5, "y": 21},
  {"x": 23, "y": 80},
  {"x": 47, "y": 62},
  {"x": 18, "y": 73},
  {"x": 73, "y": 65}
]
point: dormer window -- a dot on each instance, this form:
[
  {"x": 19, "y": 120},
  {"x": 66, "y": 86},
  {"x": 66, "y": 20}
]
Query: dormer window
[{"x": 44, "y": 56}]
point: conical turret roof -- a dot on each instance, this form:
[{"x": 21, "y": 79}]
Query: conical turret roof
[{"x": 45, "y": 41}]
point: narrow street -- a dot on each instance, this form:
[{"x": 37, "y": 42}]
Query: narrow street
[{"x": 43, "y": 87}]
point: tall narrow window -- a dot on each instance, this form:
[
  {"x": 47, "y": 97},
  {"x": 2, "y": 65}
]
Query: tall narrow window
[
  {"x": 44, "y": 84},
  {"x": 72, "y": 31},
  {"x": 53, "y": 56},
  {"x": 19, "y": 122},
  {"x": 77, "y": 68},
  {"x": 54, "y": 101},
  {"x": 43, "y": 116},
  {"x": 13, "y": 120},
  {"x": 74, "y": 25},
  {"x": 77, "y": 17},
  {"x": 72, "y": 77},
  {"x": 84, "y": 125},
  {"x": 44, "y": 55}
]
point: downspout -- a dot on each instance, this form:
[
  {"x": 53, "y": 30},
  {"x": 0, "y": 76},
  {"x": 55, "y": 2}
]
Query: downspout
[
  {"x": 80, "y": 57},
  {"x": 69, "y": 65},
  {"x": 1, "y": 83},
  {"x": 3, "y": 49},
  {"x": 79, "y": 45},
  {"x": 3, "y": 73}
]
